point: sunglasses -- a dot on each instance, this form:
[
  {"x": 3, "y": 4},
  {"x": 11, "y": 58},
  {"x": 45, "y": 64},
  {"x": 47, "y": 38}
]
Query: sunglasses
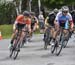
[{"x": 65, "y": 11}]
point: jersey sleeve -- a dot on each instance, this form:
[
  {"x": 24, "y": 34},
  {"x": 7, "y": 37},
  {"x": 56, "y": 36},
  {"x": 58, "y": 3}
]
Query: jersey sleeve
[
  {"x": 57, "y": 16},
  {"x": 70, "y": 17}
]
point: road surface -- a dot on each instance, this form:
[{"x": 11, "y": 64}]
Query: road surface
[{"x": 33, "y": 53}]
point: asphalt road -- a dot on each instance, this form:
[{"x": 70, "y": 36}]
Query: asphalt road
[{"x": 33, "y": 53}]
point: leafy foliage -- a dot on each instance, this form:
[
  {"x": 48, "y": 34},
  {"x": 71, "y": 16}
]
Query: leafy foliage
[{"x": 7, "y": 13}]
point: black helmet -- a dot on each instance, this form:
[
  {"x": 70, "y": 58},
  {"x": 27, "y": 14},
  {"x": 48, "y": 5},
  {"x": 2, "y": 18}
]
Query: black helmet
[
  {"x": 32, "y": 13},
  {"x": 26, "y": 13},
  {"x": 56, "y": 10}
]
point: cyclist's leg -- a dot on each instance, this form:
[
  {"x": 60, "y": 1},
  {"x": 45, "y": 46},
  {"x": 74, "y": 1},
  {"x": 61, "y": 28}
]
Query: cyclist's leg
[
  {"x": 14, "y": 33},
  {"x": 32, "y": 29},
  {"x": 55, "y": 31},
  {"x": 22, "y": 28},
  {"x": 52, "y": 31},
  {"x": 65, "y": 30}
]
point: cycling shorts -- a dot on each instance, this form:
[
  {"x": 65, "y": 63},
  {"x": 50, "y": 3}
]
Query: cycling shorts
[
  {"x": 20, "y": 26},
  {"x": 64, "y": 25}
]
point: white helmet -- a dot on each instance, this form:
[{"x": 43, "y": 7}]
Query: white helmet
[{"x": 65, "y": 8}]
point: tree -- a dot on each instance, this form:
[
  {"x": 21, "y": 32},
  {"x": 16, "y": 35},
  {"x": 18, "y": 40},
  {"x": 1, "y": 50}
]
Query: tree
[{"x": 7, "y": 13}]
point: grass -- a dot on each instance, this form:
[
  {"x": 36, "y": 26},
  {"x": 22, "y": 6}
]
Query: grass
[{"x": 7, "y": 31}]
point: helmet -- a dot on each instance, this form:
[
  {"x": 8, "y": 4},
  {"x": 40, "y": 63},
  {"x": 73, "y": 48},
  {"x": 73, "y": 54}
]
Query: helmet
[
  {"x": 55, "y": 10},
  {"x": 26, "y": 13},
  {"x": 32, "y": 13},
  {"x": 65, "y": 8}
]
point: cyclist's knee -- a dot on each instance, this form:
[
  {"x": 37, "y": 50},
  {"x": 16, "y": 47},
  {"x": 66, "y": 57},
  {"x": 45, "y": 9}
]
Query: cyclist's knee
[
  {"x": 16, "y": 31},
  {"x": 23, "y": 33}
]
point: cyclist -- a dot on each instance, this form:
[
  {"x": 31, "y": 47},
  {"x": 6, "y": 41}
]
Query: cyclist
[
  {"x": 63, "y": 19},
  {"x": 34, "y": 21},
  {"x": 50, "y": 20},
  {"x": 73, "y": 16},
  {"x": 41, "y": 22},
  {"x": 21, "y": 21}
]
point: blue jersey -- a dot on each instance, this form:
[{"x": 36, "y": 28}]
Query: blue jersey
[{"x": 61, "y": 18}]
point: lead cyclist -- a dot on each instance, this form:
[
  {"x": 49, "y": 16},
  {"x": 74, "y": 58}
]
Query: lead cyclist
[{"x": 62, "y": 18}]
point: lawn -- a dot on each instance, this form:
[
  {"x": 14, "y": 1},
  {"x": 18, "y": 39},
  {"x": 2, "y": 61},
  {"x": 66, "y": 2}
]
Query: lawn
[{"x": 7, "y": 30}]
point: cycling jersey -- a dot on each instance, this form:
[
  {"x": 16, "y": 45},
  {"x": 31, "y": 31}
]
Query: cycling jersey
[
  {"x": 60, "y": 17},
  {"x": 20, "y": 20},
  {"x": 51, "y": 18},
  {"x": 62, "y": 20},
  {"x": 33, "y": 20}
]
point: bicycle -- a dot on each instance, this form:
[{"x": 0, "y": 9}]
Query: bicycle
[
  {"x": 15, "y": 49},
  {"x": 47, "y": 37},
  {"x": 60, "y": 42},
  {"x": 56, "y": 46},
  {"x": 65, "y": 38},
  {"x": 25, "y": 37}
]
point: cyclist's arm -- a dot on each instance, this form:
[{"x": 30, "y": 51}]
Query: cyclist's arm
[
  {"x": 36, "y": 24},
  {"x": 46, "y": 20},
  {"x": 71, "y": 20},
  {"x": 56, "y": 22},
  {"x": 14, "y": 25},
  {"x": 29, "y": 25}
]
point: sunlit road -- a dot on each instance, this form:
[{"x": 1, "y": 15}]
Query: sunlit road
[{"x": 34, "y": 54}]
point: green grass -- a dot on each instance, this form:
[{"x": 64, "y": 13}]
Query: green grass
[{"x": 7, "y": 31}]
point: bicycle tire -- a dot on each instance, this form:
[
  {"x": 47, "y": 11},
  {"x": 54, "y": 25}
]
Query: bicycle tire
[
  {"x": 57, "y": 47},
  {"x": 52, "y": 49},
  {"x": 59, "y": 50},
  {"x": 47, "y": 38},
  {"x": 11, "y": 52},
  {"x": 16, "y": 54},
  {"x": 16, "y": 51},
  {"x": 60, "y": 46},
  {"x": 12, "y": 48},
  {"x": 65, "y": 43}
]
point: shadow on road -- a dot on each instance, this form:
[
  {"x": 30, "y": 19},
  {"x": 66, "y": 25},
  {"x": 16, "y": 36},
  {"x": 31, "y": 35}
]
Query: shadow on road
[{"x": 4, "y": 59}]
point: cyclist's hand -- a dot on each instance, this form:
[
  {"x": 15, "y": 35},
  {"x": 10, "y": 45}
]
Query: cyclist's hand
[{"x": 37, "y": 27}]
